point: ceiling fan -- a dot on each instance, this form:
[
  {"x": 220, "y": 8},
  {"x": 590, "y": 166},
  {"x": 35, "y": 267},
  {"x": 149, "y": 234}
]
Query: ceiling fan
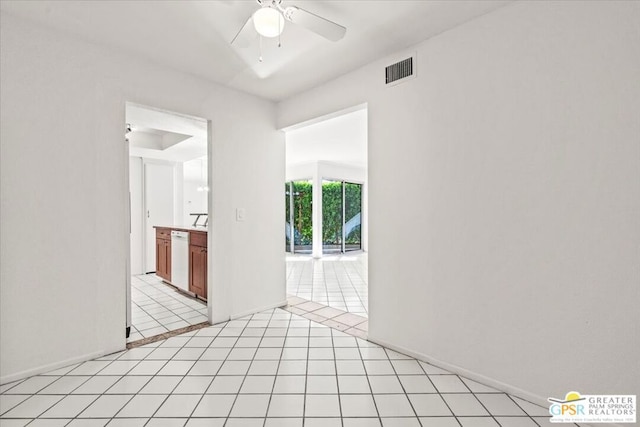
[{"x": 269, "y": 21}]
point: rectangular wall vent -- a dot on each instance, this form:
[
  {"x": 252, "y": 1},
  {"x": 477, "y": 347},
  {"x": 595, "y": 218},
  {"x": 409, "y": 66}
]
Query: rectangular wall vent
[{"x": 399, "y": 70}]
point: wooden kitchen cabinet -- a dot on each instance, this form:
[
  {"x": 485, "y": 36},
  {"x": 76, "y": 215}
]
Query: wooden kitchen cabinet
[
  {"x": 198, "y": 264},
  {"x": 163, "y": 253}
]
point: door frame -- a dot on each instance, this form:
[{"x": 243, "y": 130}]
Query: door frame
[{"x": 127, "y": 200}]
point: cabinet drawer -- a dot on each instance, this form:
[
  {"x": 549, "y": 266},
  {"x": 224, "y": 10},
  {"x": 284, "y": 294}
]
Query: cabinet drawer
[
  {"x": 198, "y": 239},
  {"x": 163, "y": 233}
]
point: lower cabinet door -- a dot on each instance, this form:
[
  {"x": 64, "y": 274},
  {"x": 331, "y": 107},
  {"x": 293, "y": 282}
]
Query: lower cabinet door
[
  {"x": 163, "y": 259},
  {"x": 198, "y": 270}
]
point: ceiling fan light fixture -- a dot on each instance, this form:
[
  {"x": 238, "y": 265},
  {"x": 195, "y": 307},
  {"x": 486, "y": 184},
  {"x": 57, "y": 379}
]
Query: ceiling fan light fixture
[{"x": 268, "y": 22}]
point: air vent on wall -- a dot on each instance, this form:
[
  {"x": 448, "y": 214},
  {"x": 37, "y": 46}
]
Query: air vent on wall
[{"x": 398, "y": 71}]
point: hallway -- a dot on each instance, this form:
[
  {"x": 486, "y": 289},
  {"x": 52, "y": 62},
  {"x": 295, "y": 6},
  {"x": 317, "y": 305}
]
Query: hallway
[{"x": 337, "y": 281}]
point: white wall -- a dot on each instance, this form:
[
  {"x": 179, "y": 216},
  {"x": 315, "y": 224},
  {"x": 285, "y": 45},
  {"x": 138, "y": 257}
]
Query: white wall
[
  {"x": 505, "y": 197},
  {"x": 137, "y": 212},
  {"x": 64, "y": 231},
  {"x": 178, "y": 192},
  {"x": 155, "y": 204},
  {"x": 194, "y": 176}
]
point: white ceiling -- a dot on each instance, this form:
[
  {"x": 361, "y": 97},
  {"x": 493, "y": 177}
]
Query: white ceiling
[
  {"x": 194, "y": 36},
  {"x": 342, "y": 139},
  {"x": 164, "y": 135}
]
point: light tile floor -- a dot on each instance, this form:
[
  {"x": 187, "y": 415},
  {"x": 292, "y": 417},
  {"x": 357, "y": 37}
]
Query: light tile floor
[
  {"x": 352, "y": 324},
  {"x": 157, "y": 308},
  {"x": 271, "y": 369},
  {"x": 337, "y": 281}
]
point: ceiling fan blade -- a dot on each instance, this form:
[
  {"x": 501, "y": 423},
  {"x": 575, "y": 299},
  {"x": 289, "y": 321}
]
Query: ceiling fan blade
[
  {"x": 327, "y": 29},
  {"x": 243, "y": 38}
]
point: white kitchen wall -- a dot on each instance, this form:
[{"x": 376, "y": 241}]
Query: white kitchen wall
[
  {"x": 64, "y": 229},
  {"x": 504, "y": 197},
  {"x": 178, "y": 191},
  {"x": 194, "y": 177}
]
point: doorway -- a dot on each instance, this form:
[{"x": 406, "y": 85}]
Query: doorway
[
  {"x": 326, "y": 199},
  {"x": 169, "y": 192}
]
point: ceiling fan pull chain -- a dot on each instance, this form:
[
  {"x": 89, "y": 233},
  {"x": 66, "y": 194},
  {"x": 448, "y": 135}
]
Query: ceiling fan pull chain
[
  {"x": 279, "y": 32},
  {"x": 260, "y": 57}
]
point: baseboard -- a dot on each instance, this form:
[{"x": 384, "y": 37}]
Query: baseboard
[
  {"x": 482, "y": 379},
  {"x": 51, "y": 367},
  {"x": 258, "y": 310}
]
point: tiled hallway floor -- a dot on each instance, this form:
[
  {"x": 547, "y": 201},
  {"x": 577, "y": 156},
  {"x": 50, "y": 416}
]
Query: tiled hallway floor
[
  {"x": 157, "y": 308},
  {"x": 337, "y": 281},
  {"x": 271, "y": 369},
  {"x": 352, "y": 324}
]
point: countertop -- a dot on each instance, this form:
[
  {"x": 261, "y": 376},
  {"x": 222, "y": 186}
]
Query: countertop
[{"x": 198, "y": 228}]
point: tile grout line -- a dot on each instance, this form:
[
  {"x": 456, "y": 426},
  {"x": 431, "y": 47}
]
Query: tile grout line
[
  {"x": 478, "y": 400},
  {"x": 439, "y": 394},
  {"x": 335, "y": 366},
  {"x": 245, "y": 374},
  {"x": 275, "y": 378},
  {"x": 306, "y": 378},
  {"x": 406, "y": 395},
  {"x": 366, "y": 374}
]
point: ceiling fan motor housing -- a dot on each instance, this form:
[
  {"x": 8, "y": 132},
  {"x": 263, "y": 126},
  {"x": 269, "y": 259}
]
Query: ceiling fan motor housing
[{"x": 269, "y": 24}]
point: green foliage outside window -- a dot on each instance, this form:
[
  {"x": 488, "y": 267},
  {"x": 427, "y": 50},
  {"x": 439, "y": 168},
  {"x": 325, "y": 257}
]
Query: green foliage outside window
[
  {"x": 331, "y": 212},
  {"x": 353, "y": 206},
  {"x": 302, "y": 216}
]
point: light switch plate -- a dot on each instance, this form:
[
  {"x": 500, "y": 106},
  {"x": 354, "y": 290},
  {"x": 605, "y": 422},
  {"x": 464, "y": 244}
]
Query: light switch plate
[{"x": 240, "y": 214}]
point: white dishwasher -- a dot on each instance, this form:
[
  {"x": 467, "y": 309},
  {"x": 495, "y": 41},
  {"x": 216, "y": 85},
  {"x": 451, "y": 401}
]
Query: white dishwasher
[{"x": 180, "y": 259}]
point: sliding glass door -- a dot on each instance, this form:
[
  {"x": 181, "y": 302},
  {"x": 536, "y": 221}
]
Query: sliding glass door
[
  {"x": 332, "y": 216},
  {"x": 341, "y": 216},
  {"x": 288, "y": 245},
  {"x": 353, "y": 216},
  {"x": 299, "y": 231}
]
